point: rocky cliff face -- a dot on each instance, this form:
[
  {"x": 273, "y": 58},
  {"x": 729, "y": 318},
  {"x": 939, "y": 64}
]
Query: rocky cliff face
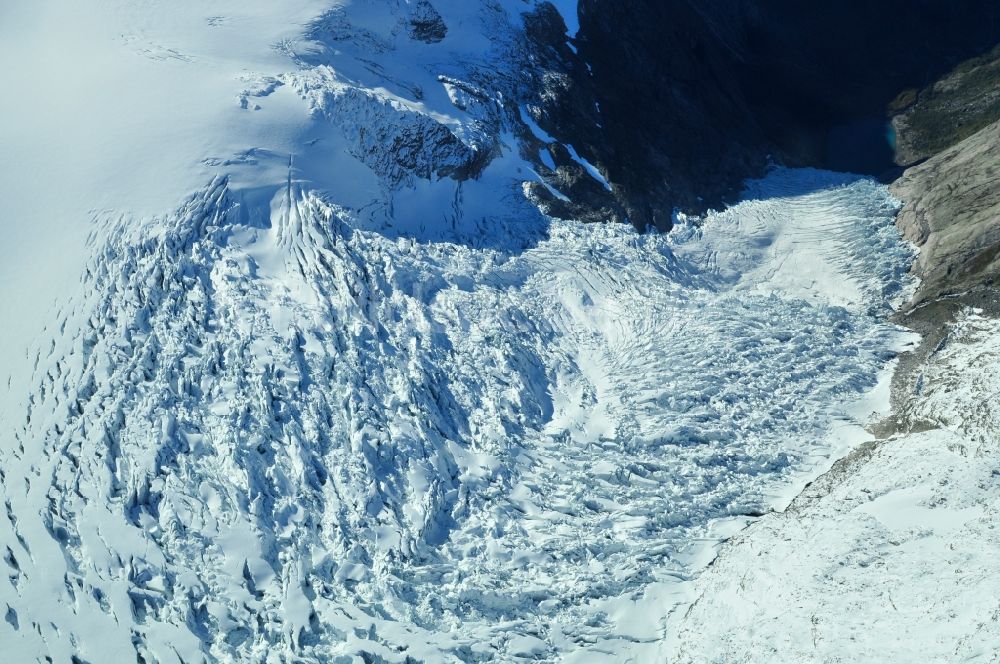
[
  {"x": 948, "y": 111},
  {"x": 952, "y": 209},
  {"x": 953, "y": 213}
]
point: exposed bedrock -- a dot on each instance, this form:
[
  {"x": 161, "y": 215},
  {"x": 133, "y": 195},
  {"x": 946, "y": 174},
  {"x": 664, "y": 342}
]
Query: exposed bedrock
[
  {"x": 949, "y": 110},
  {"x": 952, "y": 212},
  {"x": 951, "y": 207}
]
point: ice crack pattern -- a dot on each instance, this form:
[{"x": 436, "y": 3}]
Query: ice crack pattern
[{"x": 296, "y": 439}]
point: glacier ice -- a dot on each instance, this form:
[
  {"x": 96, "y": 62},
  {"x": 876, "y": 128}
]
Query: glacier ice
[
  {"x": 307, "y": 439},
  {"x": 356, "y": 398}
]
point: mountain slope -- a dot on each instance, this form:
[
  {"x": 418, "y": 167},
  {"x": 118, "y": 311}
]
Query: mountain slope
[{"x": 890, "y": 555}]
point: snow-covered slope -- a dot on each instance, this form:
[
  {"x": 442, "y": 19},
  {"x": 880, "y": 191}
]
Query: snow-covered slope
[
  {"x": 891, "y": 559},
  {"x": 355, "y": 396}
]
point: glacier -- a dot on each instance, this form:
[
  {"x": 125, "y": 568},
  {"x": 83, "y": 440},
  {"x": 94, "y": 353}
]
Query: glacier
[
  {"x": 351, "y": 396},
  {"x": 270, "y": 438}
]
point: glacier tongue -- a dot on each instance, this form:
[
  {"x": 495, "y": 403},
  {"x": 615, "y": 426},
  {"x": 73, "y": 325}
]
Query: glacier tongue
[{"x": 302, "y": 439}]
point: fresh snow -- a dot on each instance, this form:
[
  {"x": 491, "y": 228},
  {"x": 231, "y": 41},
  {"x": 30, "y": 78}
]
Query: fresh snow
[{"x": 341, "y": 399}]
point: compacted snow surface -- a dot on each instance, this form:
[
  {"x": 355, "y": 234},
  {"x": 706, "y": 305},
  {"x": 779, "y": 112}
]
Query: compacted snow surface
[
  {"x": 356, "y": 397},
  {"x": 892, "y": 561}
]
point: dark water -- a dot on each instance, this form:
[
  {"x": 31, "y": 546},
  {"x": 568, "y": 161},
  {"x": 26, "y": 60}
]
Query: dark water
[{"x": 864, "y": 146}]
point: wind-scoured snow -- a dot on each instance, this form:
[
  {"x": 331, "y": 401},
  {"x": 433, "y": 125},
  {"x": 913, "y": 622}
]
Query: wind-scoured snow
[{"x": 355, "y": 398}]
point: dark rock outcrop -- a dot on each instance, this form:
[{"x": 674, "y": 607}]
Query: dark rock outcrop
[
  {"x": 678, "y": 101},
  {"x": 567, "y": 109},
  {"x": 426, "y": 24},
  {"x": 657, "y": 111},
  {"x": 948, "y": 111}
]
